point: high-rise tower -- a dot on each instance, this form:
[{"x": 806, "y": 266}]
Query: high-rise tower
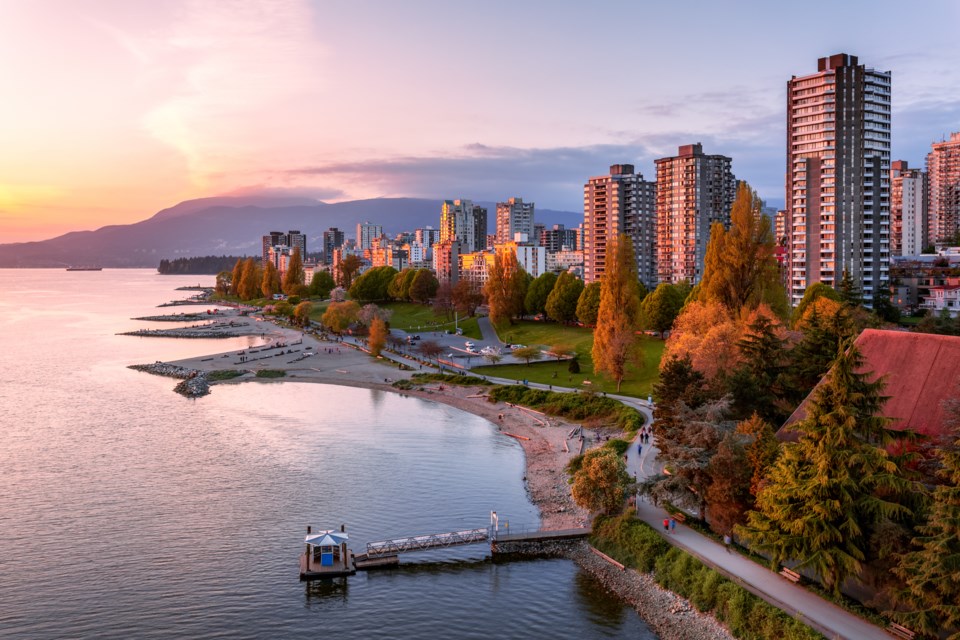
[
  {"x": 838, "y": 176},
  {"x": 943, "y": 171},
  {"x": 620, "y": 203},
  {"x": 694, "y": 190},
  {"x": 908, "y": 209},
  {"x": 465, "y": 222},
  {"x": 514, "y": 216}
]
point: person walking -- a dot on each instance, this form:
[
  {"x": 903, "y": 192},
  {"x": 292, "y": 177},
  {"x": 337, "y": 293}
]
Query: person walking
[
  {"x": 726, "y": 542},
  {"x": 666, "y": 525},
  {"x": 673, "y": 525}
]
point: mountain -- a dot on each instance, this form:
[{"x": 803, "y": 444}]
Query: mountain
[{"x": 232, "y": 226}]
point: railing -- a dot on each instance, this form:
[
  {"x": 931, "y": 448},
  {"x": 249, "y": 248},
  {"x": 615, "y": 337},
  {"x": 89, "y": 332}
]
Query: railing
[{"x": 430, "y": 541}]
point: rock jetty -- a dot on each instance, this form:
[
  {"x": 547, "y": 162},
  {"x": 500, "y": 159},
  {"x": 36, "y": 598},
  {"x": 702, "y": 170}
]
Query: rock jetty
[
  {"x": 175, "y": 317},
  {"x": 185, "y": 332},
  {"x": 194, "y": 383}
]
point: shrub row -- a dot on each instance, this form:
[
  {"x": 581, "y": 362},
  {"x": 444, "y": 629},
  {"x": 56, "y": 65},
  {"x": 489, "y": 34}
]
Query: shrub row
[
  {"x": 637, "y": 545},
  {"x": 271, "y": 373},
  {"x": 224, "y": 374},
  {"x": 572, "y": 406},
  {"x": 467, "y": 381}
]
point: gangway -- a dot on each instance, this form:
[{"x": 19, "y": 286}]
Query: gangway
[{"x": 430, "y": 541}]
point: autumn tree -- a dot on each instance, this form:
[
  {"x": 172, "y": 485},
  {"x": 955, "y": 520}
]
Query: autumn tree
[
  {"x": 762, "y": 449},
  {"x": 728, "y": 490},
  {"x": 443, "y": 301},
  {"x": 538, "y": 291},
  {"x": 301, "y": 313},
  {"x": 430, "y": 349},
  {"x": 270, "y": 283},
  {"x": 293, "y": 277},
  {"x": 236, "y": 276},
  {"x": 377, "y": 339},
  {"x": 588, "y": 305},
  {"x": 506, "y": 287},
  {"x": 321, "y": 284},
  {"x": 370, "y": 312},
  {"x": 707, "y": 333},
  {"x": 222, "y": 285},
  {"x": 347, "y": 268},
  {"x": 740, "y": 268},
  {"x": 660, "y": 309},
  {"x": 423, "y": 286},
  {"x": 829, "y": 489},
  {"x": 813, "y": 293},
  {"x": 466, "y": 297},
  {"x": 528, "y": 354},
  {"x": 614, "y": 338},
  {"x": 249, "y": 280},
  {"x": 340, "y": 315},
  {"x": 562, "y": 350},
  {"x": 561, "y": 304},
  {"x": 601, "y": 483}
]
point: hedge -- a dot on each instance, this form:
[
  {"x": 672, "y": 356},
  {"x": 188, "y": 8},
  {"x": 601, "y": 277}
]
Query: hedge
[{"x": 572, "y": 406}]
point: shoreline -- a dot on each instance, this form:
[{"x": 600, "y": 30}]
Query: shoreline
[{"x": 543, "y": 440}]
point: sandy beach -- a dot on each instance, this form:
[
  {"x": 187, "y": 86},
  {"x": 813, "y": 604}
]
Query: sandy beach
[{"x": 543, "y": 438}]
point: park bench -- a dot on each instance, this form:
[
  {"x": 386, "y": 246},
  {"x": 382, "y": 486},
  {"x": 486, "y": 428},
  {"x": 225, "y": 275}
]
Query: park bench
[
  {"x": 901, "y": 631},
  {"x": 791, "y": 575},
  {"x": 679, "y": 517}
]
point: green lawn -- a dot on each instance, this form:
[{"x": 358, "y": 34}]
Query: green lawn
[
  {"x": 408, "y": 316},
  {"x": 638, "y": 382}
]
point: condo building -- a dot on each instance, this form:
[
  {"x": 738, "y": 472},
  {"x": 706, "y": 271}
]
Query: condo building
[
  {"x": 465, "y": 222},
  {"x": 290, "y": 239},
  {"x": 366, "y": 233},
  {"x": 943, "y": 171},
  {"x": 333, "y": 238},
  {"x": 694, "y": 190},
  {"x": 838, "y": 176},
  {"x": 619, "y": 203},
  {"x": 908, "y": 209},
  {"x": 514, "y": 216}
]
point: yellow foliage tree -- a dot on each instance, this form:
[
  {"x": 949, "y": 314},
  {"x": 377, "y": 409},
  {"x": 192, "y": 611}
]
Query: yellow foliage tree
[
  {"x": 601, "y": 482},
  {"x": 339, "y": 315},
  {"x": 614, "y": 339},
  {"x": 506, "y": 287},
  {"x": 707, "y": 333},
  {"x": 250, "y": 278},
  {"x": 378, "y": 336},
  {"x": 271, "y": 280}
]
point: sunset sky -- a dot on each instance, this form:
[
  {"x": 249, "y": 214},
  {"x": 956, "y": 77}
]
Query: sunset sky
[{"x": 114, "y": 109}]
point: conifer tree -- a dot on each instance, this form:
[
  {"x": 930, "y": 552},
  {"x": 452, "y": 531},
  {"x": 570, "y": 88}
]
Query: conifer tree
[
  {"x": 762, "y": 449},
  {"x": 614, "y": 339},
  {"x": 849, "y": 290},
  {"x": 754, "y": 383},
  {"x": 831, "y": 487}
]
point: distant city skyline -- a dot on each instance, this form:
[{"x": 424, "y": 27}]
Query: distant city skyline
[{"x": 114, "y": 110}]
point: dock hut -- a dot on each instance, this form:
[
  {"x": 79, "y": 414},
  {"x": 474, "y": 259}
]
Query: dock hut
[{"x": 326, "y": 555}]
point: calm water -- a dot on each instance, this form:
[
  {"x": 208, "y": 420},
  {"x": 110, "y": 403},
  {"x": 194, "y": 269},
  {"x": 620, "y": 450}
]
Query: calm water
[{"x": 129, "y": 511}]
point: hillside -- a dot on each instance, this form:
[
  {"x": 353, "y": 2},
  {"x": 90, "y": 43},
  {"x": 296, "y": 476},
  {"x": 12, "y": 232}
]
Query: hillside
[{"x": 232, "y": 226}]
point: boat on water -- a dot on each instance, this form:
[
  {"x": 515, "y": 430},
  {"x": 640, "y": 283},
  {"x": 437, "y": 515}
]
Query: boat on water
[{"x": 84, "y": 268}]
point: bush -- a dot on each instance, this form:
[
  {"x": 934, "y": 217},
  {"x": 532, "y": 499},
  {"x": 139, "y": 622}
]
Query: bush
[
  {"x": 636, "y": 544},
  {"x": 271, "y": 373},
  {"x": 618, "y": 445},
  {"x": 466, "y": 381},
  {"x": 572, "y": 406},
  {"x": 224, "y": 374},
  {"x": 574, "y": 366}
]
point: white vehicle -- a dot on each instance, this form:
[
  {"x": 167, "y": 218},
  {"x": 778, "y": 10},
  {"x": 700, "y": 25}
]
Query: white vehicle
[
  {"x": 514, "y": 347},
  {"x": 489, "y": 351},
  {"x": 469, "y": 344},
  {"x": 471, "y": 350}
]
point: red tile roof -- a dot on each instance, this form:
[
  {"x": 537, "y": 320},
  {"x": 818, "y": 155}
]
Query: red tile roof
[{"x": 921, "y": 372}]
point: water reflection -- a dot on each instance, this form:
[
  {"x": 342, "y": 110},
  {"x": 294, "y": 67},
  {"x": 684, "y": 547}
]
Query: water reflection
[{"x": 327, "y": 589}]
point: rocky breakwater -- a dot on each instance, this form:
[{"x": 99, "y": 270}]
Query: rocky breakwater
[
  {"x": 193, "y": 383},
  {"x": 185, "y": 332},
  {"x": 669, "y": 615},
  {"x": 175, "y": 317}
]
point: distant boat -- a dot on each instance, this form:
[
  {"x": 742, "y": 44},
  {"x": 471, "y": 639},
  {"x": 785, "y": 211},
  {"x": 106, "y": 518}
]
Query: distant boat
[{"x": 84, "y": 268}]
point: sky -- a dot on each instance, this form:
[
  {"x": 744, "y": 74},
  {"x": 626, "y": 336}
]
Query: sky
[{"x": 114, "y": 109}]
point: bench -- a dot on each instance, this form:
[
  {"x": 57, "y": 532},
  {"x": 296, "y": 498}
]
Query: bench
[
  {"x": 791, "y": 575},
  {"x": 679, "y": 517},
  {"x": 901, "y": 631}
]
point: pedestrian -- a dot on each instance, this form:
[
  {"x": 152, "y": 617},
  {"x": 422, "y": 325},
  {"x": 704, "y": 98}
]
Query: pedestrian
[
  {"x": 673, "y": 525},
  {"x": 726, "y": 542},
  {"x": 639, "y": 449},
  {"x": 666, "y": 525}
]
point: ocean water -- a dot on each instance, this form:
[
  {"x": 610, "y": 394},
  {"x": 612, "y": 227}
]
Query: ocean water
[{"x": 127, "y": 510}]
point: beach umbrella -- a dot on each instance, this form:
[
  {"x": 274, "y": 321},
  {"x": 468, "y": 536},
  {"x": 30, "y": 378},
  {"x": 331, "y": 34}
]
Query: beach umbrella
[{"x": 326, "y": 538}]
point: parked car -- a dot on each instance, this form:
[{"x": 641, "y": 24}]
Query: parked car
[
  {"x": 469, "y": 344},
  {"x": 517, "y": 346}
]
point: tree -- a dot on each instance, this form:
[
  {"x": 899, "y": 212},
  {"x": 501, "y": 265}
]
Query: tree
[
  {"x": 830, "y": 488},
  {"x": 588, "y": 305},
  {"x": 466, "y": 297},
  {"x": 430, "y": 349},
  {"x": 706, "y": 333},
  {"x": 601, "y": 483},
  {"x": 561, "y": 351},
  {"x": 377, "y": 339},
  {"x": 561, "y": 304},
  {"x": 536, "y": 299},
  {"x": 740, "y": 268},
  {"x": 223, "y": 283},
  {"x": 762, "y": 449},
  {"x": 506, "y": 287},
  {"x": 528, "y": 354},
  {"x": 373, "y": 284},
  {"x": 293, "y": 277},
  {"x": 347, "y": 268},
  {"x": 940, "y": 323},
  {"x": 301, "y": 313},
  {"x": 814, "y": 292},
  {"x": 930, "y": 570},
  {"x": 614, "y": 338},
  {"x": 423, "y": 286},
  {"x": 270, "y": 283},
  {"x": 728, "y": 491},
  {"x": 340, "y": 315},
  {"x": 754, "y": 382},
  {"x": 407, "y": 282},
  {"x": 884, "y": 307},
  {"x": 321, "y": 284},
  {"x": 249, "y": 280},
  {"x": 574, "y": 366},
  {"x": 849, "y": 290},
  {"x": 236, "y": 276},
  {"x": 493, "y": 356},
  {"x": 660, "y": 309},
  {"x": 370, "y": 312},
  {"x": 395, "y": 288},
  {"x": 824, "y": 325},
  {"x": 443, "y": 301}
]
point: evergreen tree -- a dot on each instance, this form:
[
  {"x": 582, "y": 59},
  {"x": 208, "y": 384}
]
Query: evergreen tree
[
  {"x": 849, "y": 290},
  {"x": 293, "y": 278},
  {"x": 810, "y": 359},
  {"x": 270, "y": 284},
  {"x": 754, "y": 382},
  {"x": 932, "y": 570},
  {"x": 614, "y": 340},
  {"x": 588, "y": 305},
  {"x": 562, "y": 302},
  {"x": 538, "y": 292},
  {"x": 740, "y": 269},
  {"x": 762, "y": 449},
  {"x": 831, "y": 487}
]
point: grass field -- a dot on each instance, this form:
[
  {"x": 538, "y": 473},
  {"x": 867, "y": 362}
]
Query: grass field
[
  {"x": 638, "y": 382},
  {"x": 408, "y": 316}
]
